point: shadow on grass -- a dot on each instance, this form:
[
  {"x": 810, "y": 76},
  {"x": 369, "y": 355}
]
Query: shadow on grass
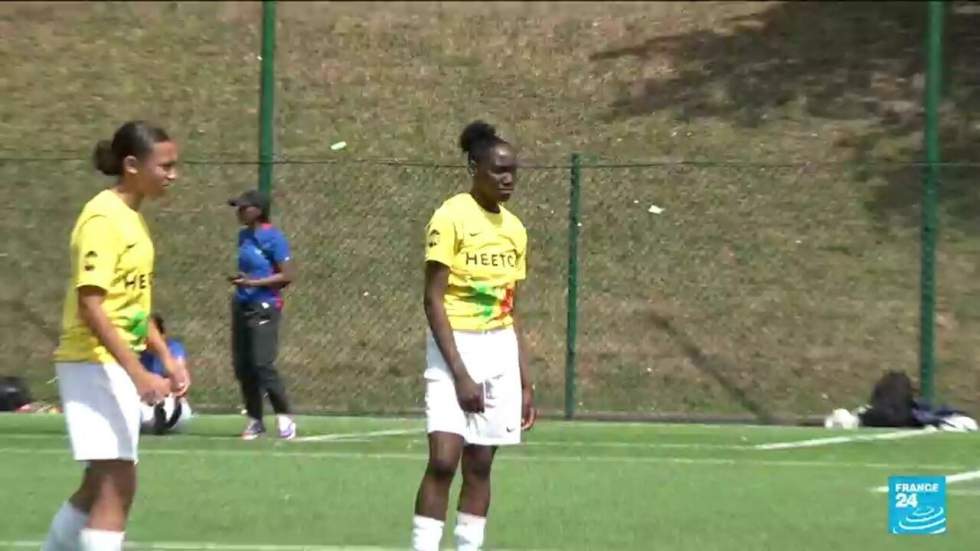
[{"x": 855, "y": 62}]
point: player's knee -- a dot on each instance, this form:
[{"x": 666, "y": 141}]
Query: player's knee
[
  {"x": 476, "y": 470},
  {"x": 269, "y": 381},
  {"x": 441, "y": 468},
  {"x": 114, "y": 480}
]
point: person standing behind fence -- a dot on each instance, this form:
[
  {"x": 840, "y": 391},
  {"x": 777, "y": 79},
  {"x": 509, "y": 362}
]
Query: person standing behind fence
[
  {"x": 105, "y": 325},
  {"x": 265, "y": 268},
  {"x": 478, "y": 393}
]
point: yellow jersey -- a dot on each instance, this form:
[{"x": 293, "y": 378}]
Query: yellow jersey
[
  {"x": 110, "y": 249},
  {"x": 486, "y": 253}
]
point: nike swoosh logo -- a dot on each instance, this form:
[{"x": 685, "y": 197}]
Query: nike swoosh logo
[{"x": 130, "y": 246}]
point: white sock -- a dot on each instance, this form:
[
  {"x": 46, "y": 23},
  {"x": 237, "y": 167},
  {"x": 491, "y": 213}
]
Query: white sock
[
  {"x": 469, "y": 532},
  {"x": 426, "y": 533},
  {"x": 101, "y": 540},
  {"x": 65, "y": 527}
]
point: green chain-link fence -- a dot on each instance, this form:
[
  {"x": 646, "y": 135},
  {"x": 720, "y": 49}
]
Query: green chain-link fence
[
  {"x": 752, "y": 284},
  {"x": 729, "y": 290},
  {"x": 354, "y": 324}
]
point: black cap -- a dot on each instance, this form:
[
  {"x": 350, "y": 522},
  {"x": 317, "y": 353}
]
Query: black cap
[{"x": 252, "y": 198}]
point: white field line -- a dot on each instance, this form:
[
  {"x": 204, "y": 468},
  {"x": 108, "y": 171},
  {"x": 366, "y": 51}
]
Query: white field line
[
  {"x": 639, "y": 445},
  {"x": 551, "y": 423},
  {"x": 951, "y": 479},
  {"x": 506, "y": 458},
  {"x": 366, "y": 436},
  {"x": 363, "y": 436},
  {"x": 349, "y": 437},
  {"x": 341, "y": 436},
  {"x": 814, "y": 442},
  {"x": 344, "y": 437},
  {"x": 332, "y": 437},
  {"x": 962, "y": 477}
]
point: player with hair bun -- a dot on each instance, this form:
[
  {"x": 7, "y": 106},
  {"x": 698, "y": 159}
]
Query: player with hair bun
[
  {"x": 105, "y": 326},
  {"x": 478, "y": 393}
]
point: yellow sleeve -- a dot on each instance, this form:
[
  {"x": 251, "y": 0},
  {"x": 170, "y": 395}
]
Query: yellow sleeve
[
  {"x": 96, "y": 252},
  {"x": 440, "y": 239}
]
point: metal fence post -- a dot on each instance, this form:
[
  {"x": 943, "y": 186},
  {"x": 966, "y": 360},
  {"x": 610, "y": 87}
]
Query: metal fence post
[
  {"x": 571, "y": 329},
  {"x": 930, "y": 207},
  {"x": 267, "y": 94}
]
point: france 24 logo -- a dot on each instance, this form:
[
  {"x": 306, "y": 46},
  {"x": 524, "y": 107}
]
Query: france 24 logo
[{"x": 917, "y": 505}]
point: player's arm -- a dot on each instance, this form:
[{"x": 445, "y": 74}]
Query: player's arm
[
  {"x": 157, "y": 345},
  {"x": 282, "y": 258},
  {"x": 181, "y": 377},
  {"x": 175, "y": 367},
  {"x": 440, "y": 250},
  {"x": 90, "y": 310},
  {"x": 97, "y": 250},
  {"x": 436, "y": 281},
  {"x": 285, "y": 276},
  {"x": 529, "y": 413},
  {"x": 90, "y": 299}
]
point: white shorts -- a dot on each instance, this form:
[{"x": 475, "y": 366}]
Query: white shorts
[
  {"x": 102, "y": 411},
  {"x": 491, "y": 359}
]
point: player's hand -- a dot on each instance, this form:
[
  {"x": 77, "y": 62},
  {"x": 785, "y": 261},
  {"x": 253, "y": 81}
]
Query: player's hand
[
  {"x": 180, "y": 380},
  {"x": 239, "y": 280},
  {"x": 152, "y": 388},
  {"x": 529, "y": 414},
  {"x": 470, "y": 395}
]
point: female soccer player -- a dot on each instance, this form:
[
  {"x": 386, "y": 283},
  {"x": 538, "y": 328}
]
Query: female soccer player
[
  {"x": 265, "y": 267},
  {"x": 478, "y": 393},
  {"x": 104, "y": 329}
]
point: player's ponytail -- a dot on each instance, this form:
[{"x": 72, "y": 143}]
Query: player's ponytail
[
  {"x": 105, "y": 160},
  {"x": 133, "y": 139}
]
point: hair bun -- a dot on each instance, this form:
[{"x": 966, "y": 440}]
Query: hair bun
[
  {"x": 474, "y": 133},
  {"x": 105, "y": 159}
]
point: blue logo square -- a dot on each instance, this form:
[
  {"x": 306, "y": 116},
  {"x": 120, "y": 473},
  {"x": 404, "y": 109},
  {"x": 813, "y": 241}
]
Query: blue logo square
[{"x": 917, "y": 505}]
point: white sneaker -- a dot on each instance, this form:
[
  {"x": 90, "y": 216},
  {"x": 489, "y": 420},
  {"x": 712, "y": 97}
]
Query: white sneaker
[{"x": 287, "y": 428}]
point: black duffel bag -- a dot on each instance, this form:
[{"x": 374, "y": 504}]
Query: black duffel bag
[
  {"x": 892, "y": 400},
  {"x": 13, "y": 393}
]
